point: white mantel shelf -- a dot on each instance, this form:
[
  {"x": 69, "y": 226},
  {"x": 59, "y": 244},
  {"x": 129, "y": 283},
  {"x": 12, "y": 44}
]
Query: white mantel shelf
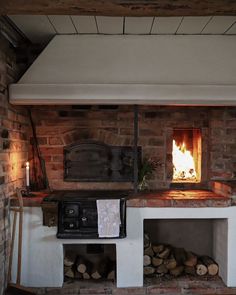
[{"x": 42, "y": 257}]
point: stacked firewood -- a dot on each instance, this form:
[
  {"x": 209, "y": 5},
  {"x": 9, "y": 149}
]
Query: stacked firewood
[
  {"x": 165, "y": 259},
  {"x": 80, "y": 267}
]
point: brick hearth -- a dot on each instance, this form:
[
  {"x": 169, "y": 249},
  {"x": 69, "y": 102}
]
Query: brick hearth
[{"x": 183, "y": 285}]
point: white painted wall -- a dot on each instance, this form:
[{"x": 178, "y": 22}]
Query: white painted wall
[
  {"x": 131, "y": 69},
  {"x": 42, "y": 257}
]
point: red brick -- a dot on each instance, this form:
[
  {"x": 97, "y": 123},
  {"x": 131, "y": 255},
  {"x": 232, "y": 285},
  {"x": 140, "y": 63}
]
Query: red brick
[{"x": 55, "y": 141}]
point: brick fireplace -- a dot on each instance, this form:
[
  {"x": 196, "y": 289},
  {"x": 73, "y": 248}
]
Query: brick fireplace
[
  {"x": 211, "y": 129},
  {"x": 202, "y": 193}
]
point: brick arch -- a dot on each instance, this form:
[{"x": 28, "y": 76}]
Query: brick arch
[{"x": 105, "y": 135}]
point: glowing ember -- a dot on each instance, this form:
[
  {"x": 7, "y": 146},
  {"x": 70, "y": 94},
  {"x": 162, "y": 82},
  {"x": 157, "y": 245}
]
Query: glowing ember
[{"x": 184, "y": 167}]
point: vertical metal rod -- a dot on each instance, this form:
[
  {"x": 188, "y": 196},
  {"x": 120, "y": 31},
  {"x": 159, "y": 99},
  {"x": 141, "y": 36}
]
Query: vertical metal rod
[{"x": 135, "y": 147}]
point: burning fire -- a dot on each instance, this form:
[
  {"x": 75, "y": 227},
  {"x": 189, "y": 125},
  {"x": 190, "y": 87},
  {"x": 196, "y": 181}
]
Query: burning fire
[{"x": 184, "y": 166}]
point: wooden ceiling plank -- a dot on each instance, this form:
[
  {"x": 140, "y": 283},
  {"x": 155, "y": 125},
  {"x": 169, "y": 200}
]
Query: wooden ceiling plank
[
  {"x": 219, "y": 24},
  {"x": 231, "y": 30},
  {"x": 84, "y": 24},
  {"x": 166, "y": 25},
  {"x": 120, "y": 7},
  {"x": 138, "y": 25},
  {"x": 193, "y": 25},
  {"x": 62, "y": 24},
  {"x": 110, "y": 25}
]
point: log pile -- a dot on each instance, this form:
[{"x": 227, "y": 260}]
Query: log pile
[
  {"x": 165, "y": 259},
  {"x": 79, "y": 267}
]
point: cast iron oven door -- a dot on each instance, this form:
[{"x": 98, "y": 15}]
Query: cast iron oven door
[
  {"x": 92, "y": 161},
  {"x": 78, "y": 219}
]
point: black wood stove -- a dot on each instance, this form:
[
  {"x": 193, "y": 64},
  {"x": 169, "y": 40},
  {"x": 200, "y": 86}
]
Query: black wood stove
[{"x": 77, "y": 212}]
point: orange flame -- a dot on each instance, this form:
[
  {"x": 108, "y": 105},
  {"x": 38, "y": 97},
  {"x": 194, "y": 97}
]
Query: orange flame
[{"x": 184, "y": 166}]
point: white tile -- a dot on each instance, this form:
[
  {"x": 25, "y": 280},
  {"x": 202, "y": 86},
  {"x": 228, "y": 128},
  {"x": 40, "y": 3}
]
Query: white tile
[
  {"x": 193, "y": 24},
  {"x": 110, "y": 25},
  {"x": 219, "y": 24},
  {"x": 232, "y": 30},
  {"x": 62, "y": 24},
  {"x": 35, "y": 27},
  {"x": 85, "y": 24},
  {"x": 138, "y": 25},
  {"x": 165, "y": 25}
]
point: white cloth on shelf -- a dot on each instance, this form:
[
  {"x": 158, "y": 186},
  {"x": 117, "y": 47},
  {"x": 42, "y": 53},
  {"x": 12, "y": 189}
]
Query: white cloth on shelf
[{"x": 108, "y": 218}]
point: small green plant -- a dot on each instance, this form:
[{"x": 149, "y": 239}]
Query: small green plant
[{"x": 146, "y": 170}]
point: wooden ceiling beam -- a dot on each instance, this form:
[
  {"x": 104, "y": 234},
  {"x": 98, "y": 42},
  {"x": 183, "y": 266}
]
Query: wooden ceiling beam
[{"x": 120, "y": 7}]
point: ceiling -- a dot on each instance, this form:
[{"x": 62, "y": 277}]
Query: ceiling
[
  {"x": 41, "y": 28},
  {"x": 120, "y": 7}
]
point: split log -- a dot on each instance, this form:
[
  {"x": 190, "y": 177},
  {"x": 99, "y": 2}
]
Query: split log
[
  {"x": 158, "y": 248},
  {"x": 165, "y": 253},
  {"x": 191, "y": 259},
  {"x": 100, "y": 269},
  {"x": 111, "y": 275},
  {"x": 83, "y": 265},
  {"x": 146, "y": 240},
  {"x": 211, "y": 265},
  {"x": 156, "y": 261},
  {"x": 69, "y": 259},
  {"x": 161, "y": 269},
  {"x": 201, "y": 269},
  {"x": 177, "y": 271},
  {"x": 69, "y": 273},
  {"x": 86, "y": 276},
  {"x": 170, "y": 263},
  {"x": 180, "y": 255},
  {"x": 147, "y": 260},
  {"x": 148, "y": 270},
  {"x": 149, "y": 251},
  {"x": 190, "y": 270},
  {"x": 78, "y": 275}
]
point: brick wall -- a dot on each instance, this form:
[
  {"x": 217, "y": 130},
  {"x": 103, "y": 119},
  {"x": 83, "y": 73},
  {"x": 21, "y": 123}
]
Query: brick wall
[
  {"x": 58, "y": 126},
  {"x": 14, "y": 130}
]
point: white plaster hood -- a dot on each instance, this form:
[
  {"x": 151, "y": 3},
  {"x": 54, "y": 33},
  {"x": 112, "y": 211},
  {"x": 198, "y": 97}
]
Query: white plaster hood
[{"x": 118, "y": 69}]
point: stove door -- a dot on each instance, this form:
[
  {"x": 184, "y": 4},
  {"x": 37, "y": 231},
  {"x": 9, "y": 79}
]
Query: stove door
[
  {"x": 77, "y": 219},
  {"x": 88, "y": 216}
]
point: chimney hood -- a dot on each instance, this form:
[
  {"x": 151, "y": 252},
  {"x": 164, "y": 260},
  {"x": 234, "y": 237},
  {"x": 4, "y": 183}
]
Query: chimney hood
[{"x": 131, "y": 69}]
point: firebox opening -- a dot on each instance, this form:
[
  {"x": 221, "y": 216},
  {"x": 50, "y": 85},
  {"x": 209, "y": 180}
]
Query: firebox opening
[
  {"x": 89, "y": 262},
  {"x": 186, "y": 155}
]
